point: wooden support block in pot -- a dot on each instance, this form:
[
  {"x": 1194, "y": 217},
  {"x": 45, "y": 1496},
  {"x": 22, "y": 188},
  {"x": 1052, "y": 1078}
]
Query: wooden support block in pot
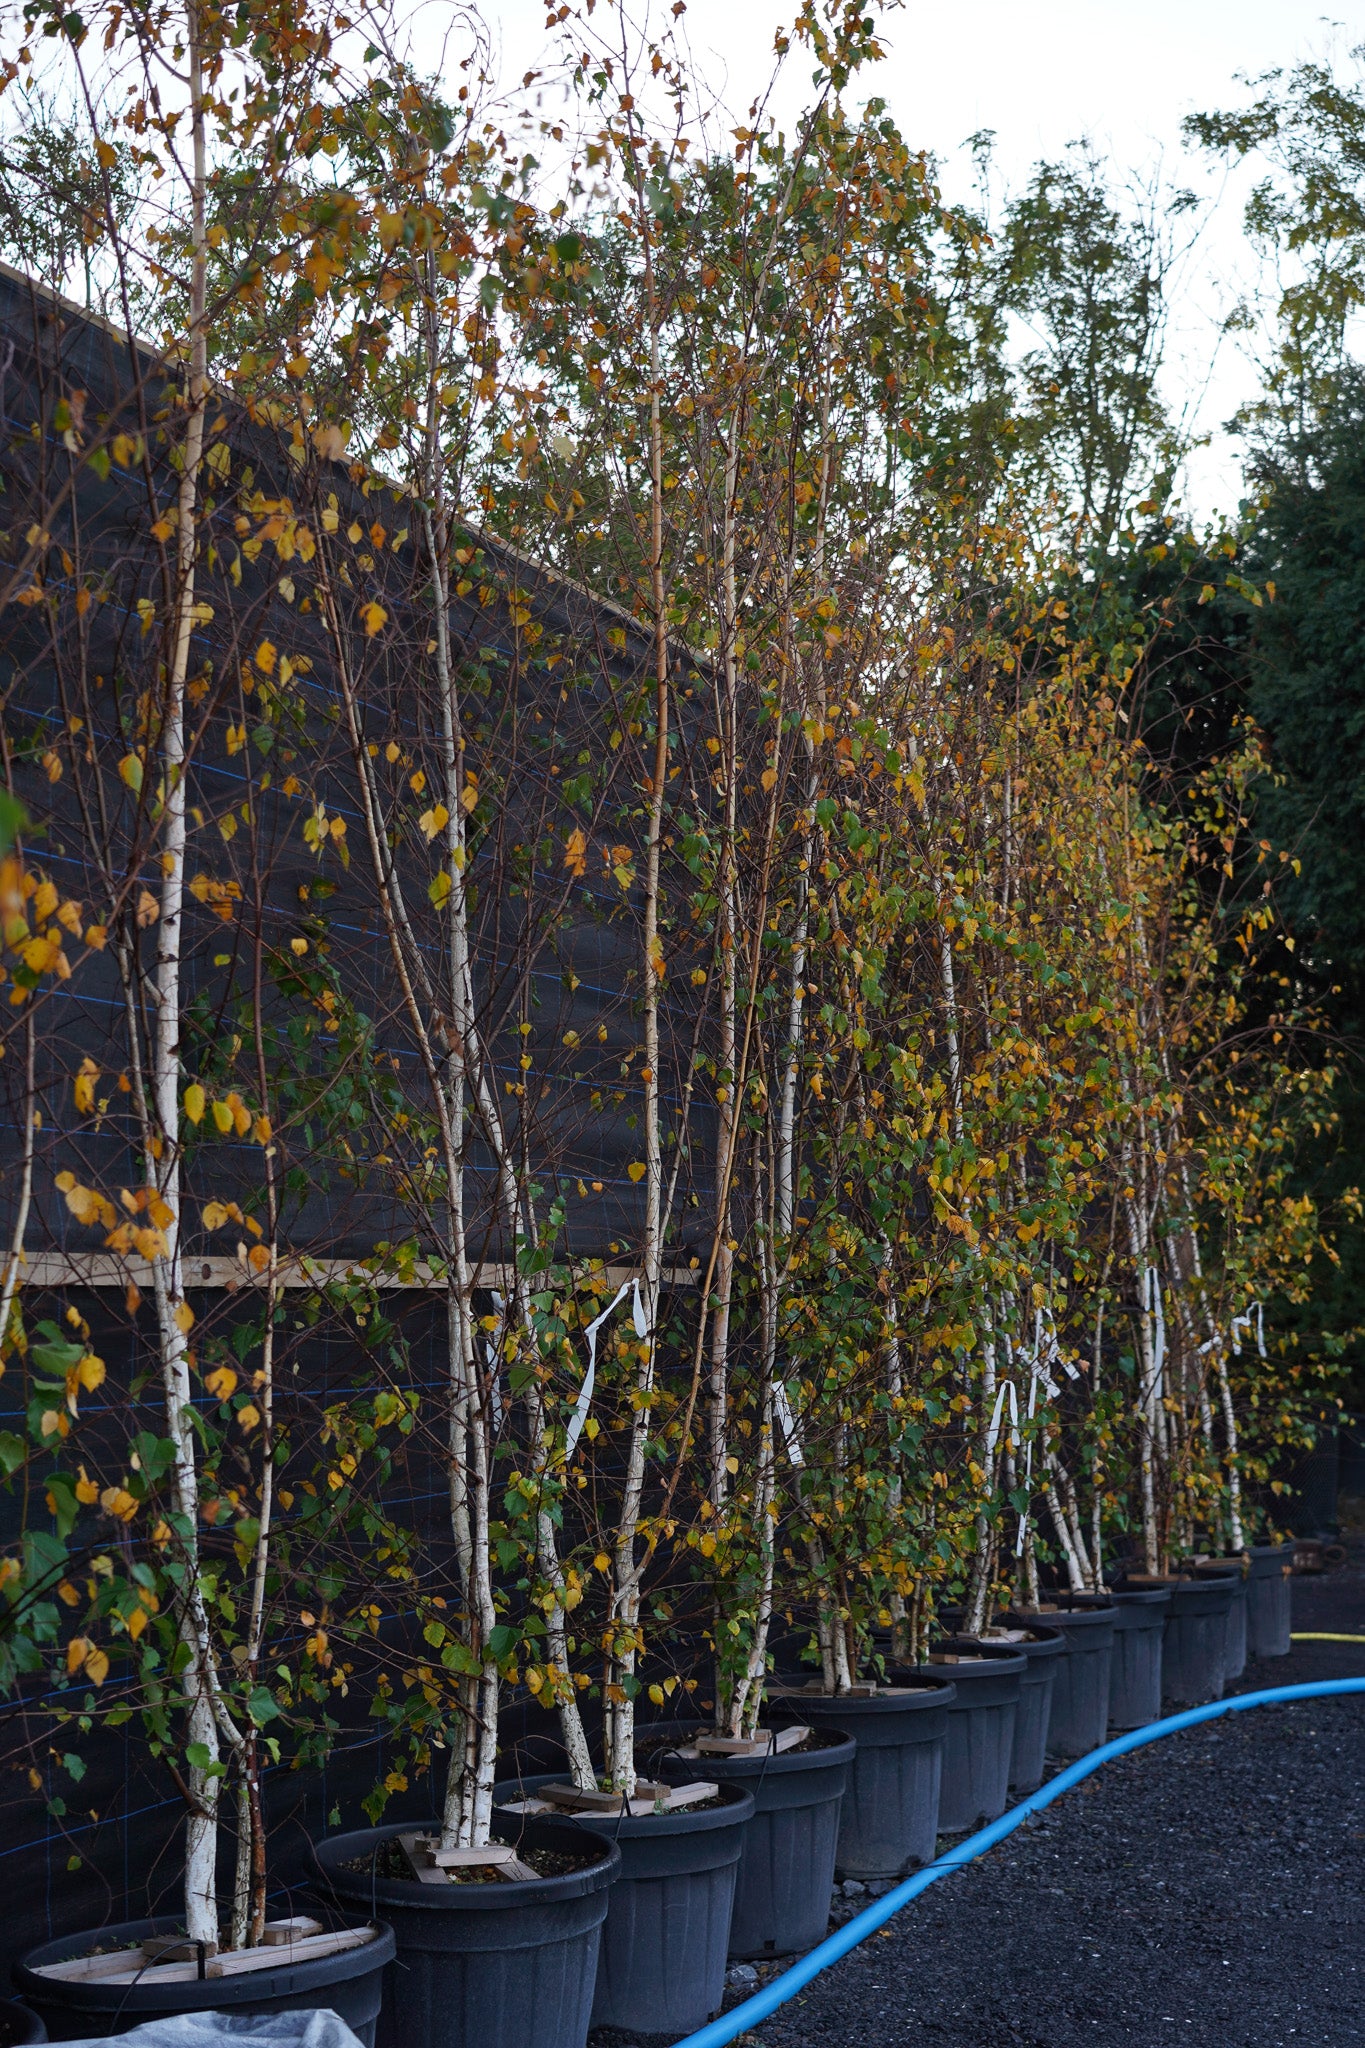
[
  {"x": 417, "y": 1849},
  {"x": 584, "y": 1799},
  {"x": 283, "y": 1933},
  {"x": 691, "y": 1795},
  {"x": 77, "y": 1969},
  {"x": 174, "y": 1948}
]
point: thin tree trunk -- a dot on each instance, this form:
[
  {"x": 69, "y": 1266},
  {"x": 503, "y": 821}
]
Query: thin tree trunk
[
  {"x": 14, "y": 1262},
  {"x": 174, "y": 1318}
]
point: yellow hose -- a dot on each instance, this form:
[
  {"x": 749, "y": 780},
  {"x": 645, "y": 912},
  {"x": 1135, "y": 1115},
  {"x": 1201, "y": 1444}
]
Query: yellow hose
[{"x": 1317, "y": 1637}]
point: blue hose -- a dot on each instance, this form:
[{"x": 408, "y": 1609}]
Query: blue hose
[{"x": 717, "y": 2033}]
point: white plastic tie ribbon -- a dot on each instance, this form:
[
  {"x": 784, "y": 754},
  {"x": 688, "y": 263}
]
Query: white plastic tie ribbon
[
  {"x": 1005, "y": 1393},
  {"x": 1255, "y": 1314},
  {"x": 493, "y": 1352},
  {"x": 585, "y": 1392},
  {"x": 790, "y": 1427}
]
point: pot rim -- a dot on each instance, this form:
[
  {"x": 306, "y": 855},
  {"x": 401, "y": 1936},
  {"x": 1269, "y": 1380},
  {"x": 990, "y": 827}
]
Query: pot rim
[
  {"x": 412, "y": 1897},
  {"x": 1102, "y": 1610},
  {"x": 921, "y": 1693},
  {"x": 990, "y": 1661},
  {"x": 736, "y": 1807},
  {"x": 786, "y": 1762},
  {"x": 150, "y": 1999}
]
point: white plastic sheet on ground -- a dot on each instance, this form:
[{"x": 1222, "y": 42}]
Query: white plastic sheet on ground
[{"x": 309, "y": 2029}]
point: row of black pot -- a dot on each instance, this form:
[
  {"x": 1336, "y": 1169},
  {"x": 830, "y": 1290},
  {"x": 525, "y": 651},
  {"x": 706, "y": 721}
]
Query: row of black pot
[{"x": 635, "y": 1928}]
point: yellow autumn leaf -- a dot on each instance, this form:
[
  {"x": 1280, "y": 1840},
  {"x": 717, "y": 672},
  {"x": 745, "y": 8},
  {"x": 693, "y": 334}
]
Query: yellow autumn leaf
[
  {"x": 83, "y": 1087},
  {"x": 194, "y": 1103},
  {"x": 576, "y": 853},
  {"x": 637, "y": 1169},
  {"x": 97, "y": 1667},
  {"x": 221, "y": 1382},
  {"x": 373, "y": 617},
  {"x": 249, "y": 1416},
  {"x": 184, "y": 1318},
  {"x": 90, "y": 1372},
  {"x": 85, "y": 1205},
  {"x": 265, "y": 657},
  {"x": 77, "y": 1650},
  {"x": 137, "y": 1621},
  {"x": 434, "y": 821},
  {"x": 222, "y": 1117},
  {"x": 117, "y": 1501},
  {"x": 130, "y": 771},
  {"x": 261, "y": 1130}
]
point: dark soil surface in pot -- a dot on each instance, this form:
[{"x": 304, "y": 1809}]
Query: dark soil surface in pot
[{"x": 1205, "y": 1892}]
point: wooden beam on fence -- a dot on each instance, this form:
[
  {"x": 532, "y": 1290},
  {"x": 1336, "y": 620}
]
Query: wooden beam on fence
[{"x": 109, "y": 1270}]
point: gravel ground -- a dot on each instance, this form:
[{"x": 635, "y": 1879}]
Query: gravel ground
[{"x": 1209, "y": 1891}]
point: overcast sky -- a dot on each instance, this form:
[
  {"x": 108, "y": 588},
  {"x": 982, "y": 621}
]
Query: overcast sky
[{"x": 1041, "y": 73}]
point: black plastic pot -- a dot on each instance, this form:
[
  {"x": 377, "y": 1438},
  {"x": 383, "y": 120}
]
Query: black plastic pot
[
  {"x": 1268, "y": 1600},
  {"x": 350, "y": 1984},
  {"x": 981, "y": 1723},
  {"x": 1351, "y": 1455},
  {"x": 786, "y": 1870},
  {"x": 19, "y": 2025},
  {"x": 1194, "y": 1652},
  {"x": 1135, "y": 1675},
  {"x": 667, "y": 1927},
  {"x": 1040, "y": 1649},
  {"x": 1080, "y": 1694},
  {"x": 496, "y": 1965},
  {"x": 1235, "y": 1662},
  {"x": 889, "y": 1820}
]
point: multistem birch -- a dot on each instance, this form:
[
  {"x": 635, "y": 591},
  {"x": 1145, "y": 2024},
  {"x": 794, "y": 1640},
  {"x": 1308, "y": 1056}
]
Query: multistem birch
[
  {"x": 468, "y": 1802},
  {"x": 624, "y": 1614},
  {"x": 161, "y": 1116}
]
